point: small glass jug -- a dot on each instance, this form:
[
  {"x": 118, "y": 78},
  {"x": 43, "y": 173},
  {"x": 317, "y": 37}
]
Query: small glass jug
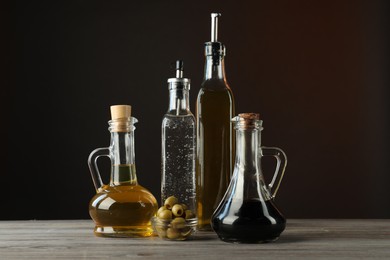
[
  {"x": 122, "y": 208},
  {"x": 247, "y": 213}
]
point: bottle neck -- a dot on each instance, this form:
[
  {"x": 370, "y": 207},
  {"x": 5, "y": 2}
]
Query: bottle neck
[
  {"x": 123, "y": 159},
  {"x": 247, "y": 149},
  {"x": 214, "y": 68},
  {"x": 179, "y": 103},
  {"x": 247, "y": 169}
]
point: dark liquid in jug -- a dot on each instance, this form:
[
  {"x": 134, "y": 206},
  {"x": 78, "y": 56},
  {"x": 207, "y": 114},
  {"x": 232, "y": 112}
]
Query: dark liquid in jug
[{"x": 253, "y": 221}]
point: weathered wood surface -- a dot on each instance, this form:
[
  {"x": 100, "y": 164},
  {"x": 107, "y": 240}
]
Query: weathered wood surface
[{"x": 309, "y": 239}]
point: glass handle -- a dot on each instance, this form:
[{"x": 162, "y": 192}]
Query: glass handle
[
  {"x": 93, "y": 168},
  {"x": 281, "y": 163}
]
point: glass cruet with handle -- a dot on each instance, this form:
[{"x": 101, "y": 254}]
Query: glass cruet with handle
[
  {"x": 122, "y": 208},
  {"x": 247, "y": 212}
]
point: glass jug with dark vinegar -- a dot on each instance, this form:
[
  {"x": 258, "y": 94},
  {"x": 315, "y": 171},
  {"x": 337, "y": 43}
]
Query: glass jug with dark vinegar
[{"x": 247, "y": 212}]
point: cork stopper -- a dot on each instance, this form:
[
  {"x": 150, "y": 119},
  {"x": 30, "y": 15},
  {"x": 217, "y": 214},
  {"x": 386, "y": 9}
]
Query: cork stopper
[
  {"x": 120, "y": 111},
  {"x": 247, "y": 120},
  {"x": 120, "y": 118},
  {"x": 250, "y": 116}
]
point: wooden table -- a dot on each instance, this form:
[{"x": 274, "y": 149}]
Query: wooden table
[{"x": 310, "y": 239}]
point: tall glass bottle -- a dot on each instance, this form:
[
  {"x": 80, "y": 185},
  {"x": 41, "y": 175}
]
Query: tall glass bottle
[
  {"x": 122, "y": 208},
  {"x": 214, "y": 109},
  {"x": 178, "y": 144}
]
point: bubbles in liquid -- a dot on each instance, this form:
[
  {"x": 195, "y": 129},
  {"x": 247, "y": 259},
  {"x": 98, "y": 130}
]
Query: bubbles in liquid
[{"x": 178, "y": 159}]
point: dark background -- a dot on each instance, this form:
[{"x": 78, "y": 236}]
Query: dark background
[{"x": 316, "y": 71}]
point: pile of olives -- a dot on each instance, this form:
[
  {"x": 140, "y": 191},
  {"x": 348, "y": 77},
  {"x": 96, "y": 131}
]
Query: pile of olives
[{"x": 174, "y": 220}]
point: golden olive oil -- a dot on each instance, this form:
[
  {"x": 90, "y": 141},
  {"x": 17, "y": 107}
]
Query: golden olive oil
[
  {"x": 215, "y": 108},
  {"x": 123, "y": 208}
]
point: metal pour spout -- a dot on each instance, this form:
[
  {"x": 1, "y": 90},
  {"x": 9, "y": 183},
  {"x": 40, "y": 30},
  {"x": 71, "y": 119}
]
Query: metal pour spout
[
  {"x": 179, "y": 69},
  {"x": 214, "y": 26}
]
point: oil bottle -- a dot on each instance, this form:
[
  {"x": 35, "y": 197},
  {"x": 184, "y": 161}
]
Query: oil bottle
[
  {"x": 215, "y": 147},
  {"x": 178, "y": 143},
  {"x": 122, "y": 208}
]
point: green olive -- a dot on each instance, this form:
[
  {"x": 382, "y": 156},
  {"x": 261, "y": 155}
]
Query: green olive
[
  {"x": 170, "y": 201},
  {"x": 185, "y": 232},
  {"x": 177, "y": 210},
  {"x": 178, "y": 223},
  {"x": 161, "y": 231},
  {"x": 189, "y": 214},
  {"x": 184, "y": 206},
  {"x": 165, "y": 214},
  {"x": 172, "y": 233},
  {"x": 161, "y": 209}
]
